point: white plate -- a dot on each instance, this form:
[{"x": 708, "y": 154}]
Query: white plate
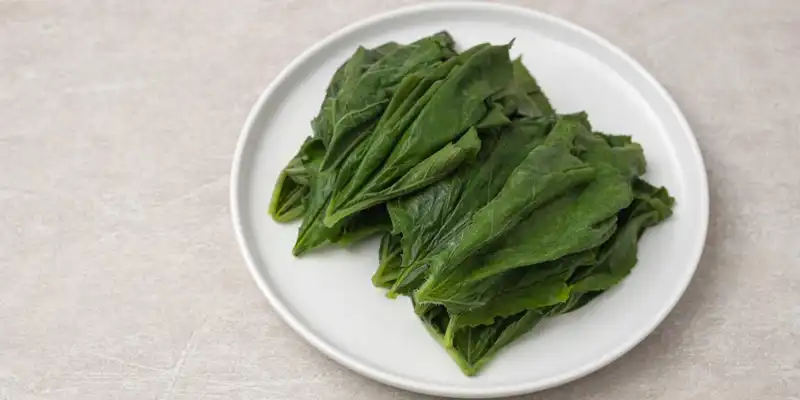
[{"x": 328, "y": 298}]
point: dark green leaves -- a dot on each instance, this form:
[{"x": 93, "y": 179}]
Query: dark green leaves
[
  {"x": 494, "y": 211},
  {"x": 410, "y": 148},
  {"x": 362, "y": 87},
  {"x": 389, "y": 257},
  {"x": 523, "y": 96},
  {"x": 433, "y": 219},
  {"x": 291, "y": 194},
  {"x": 618, "y": 256}
]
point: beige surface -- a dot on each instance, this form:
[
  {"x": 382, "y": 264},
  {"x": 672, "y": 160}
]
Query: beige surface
[{"x": 119, "y": 274}]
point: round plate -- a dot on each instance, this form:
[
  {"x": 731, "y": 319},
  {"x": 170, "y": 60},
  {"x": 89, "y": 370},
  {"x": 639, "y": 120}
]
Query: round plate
[{"x": 327, "y": 297}]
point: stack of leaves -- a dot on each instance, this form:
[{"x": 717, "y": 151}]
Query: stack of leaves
[{"x": 495, "y": 211}]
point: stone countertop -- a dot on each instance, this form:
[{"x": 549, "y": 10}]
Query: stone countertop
[{"x": 119, "y": 274}]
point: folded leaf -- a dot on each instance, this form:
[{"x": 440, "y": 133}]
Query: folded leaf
[
  {"x": 430, "y": 170},
  {"x": 474, "y": 347},
  {"x": 547, "y": 172},
  {"x": 618, "y": 152},
  {"x": 389, "y": 256},
  {"x": 414, "y": 94},
  {"x": 529, "y": 288},
  {"x": 430, "y": 219},
  {"x": 468, "y": 332},
  {"x": 363, "y": 225},
  {"x": 523, "y": 96},
  {"x": 345, "y": 77},
  {"x": 364, "y": 86},
  {"x": 457, "y": 104},
  {"x": 618, "y": 256},
  {"x": 289, "y": 203},
  {"x": 581, "y": 219},
  {"x": 313, "y": 232},
  {"x": 291, "y": 192},
  {"x": 505, "y": 332}
]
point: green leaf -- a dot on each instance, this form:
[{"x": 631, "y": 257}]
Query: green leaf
[
  {"x": 547, "y": 172},
  {"x": 431, "y": 219},
  {"x": 428, "y": 171},
  {"x": 465, "y": 89},
  {"x": 313, "y": 233},
  {"x": 361, "y": 89},
  {"x": 362, "y": 226},
  {"x": 619, "y": 153},
  {"x": 359, "y": 105},
  {"x": 390, "y": 258},
  {"x": 510, "y": 329},
  {"x": 473, "y": 347},
  {"x": 523, "y": 96},
  {"x": 291, "y": 192},
  {"x": 289, "y": 200},
  {"x": 403, "y": 109},
  {"x": 618, "y": 256},
  {"x": 344, "y": 77},
  {"x": 537, "y": 295},
  {"x": 581, "y": 219},
  {"x": 495, "y": 118},
  {"x": 528, "y": 288}
]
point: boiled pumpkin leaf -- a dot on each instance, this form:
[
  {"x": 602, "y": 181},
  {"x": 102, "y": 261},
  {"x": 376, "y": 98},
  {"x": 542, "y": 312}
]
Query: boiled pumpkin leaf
[
  {"x": 618, "y": 257},
  {"x": 431, "y": 219},
  {"x": 390, "y": 261},
  {"x": 291, "y": 193},
  {"x": 495, "y": 213},
  {"x": 548, "y": 171},
  {"x": 465, "y": 90},
  {"x": 362, "y": 91}
]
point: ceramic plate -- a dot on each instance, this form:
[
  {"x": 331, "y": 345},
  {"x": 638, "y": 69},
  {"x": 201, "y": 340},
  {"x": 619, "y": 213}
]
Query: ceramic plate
[{"x": 328, "y": 298}]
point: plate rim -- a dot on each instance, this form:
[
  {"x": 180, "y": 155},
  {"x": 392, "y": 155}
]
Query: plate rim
[{"x": 499, "y": 390}]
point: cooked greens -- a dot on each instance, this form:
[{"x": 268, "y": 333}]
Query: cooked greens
[
  {"x": 494, "y": 211},
  {"x": 411, "y": 150}
]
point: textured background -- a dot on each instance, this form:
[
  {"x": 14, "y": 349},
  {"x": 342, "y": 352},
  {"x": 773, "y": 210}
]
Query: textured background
[{"x": 119, "y": 274}]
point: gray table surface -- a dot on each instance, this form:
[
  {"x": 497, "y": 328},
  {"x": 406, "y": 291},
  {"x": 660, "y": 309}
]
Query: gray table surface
[{"x": 119, "y": 274}]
